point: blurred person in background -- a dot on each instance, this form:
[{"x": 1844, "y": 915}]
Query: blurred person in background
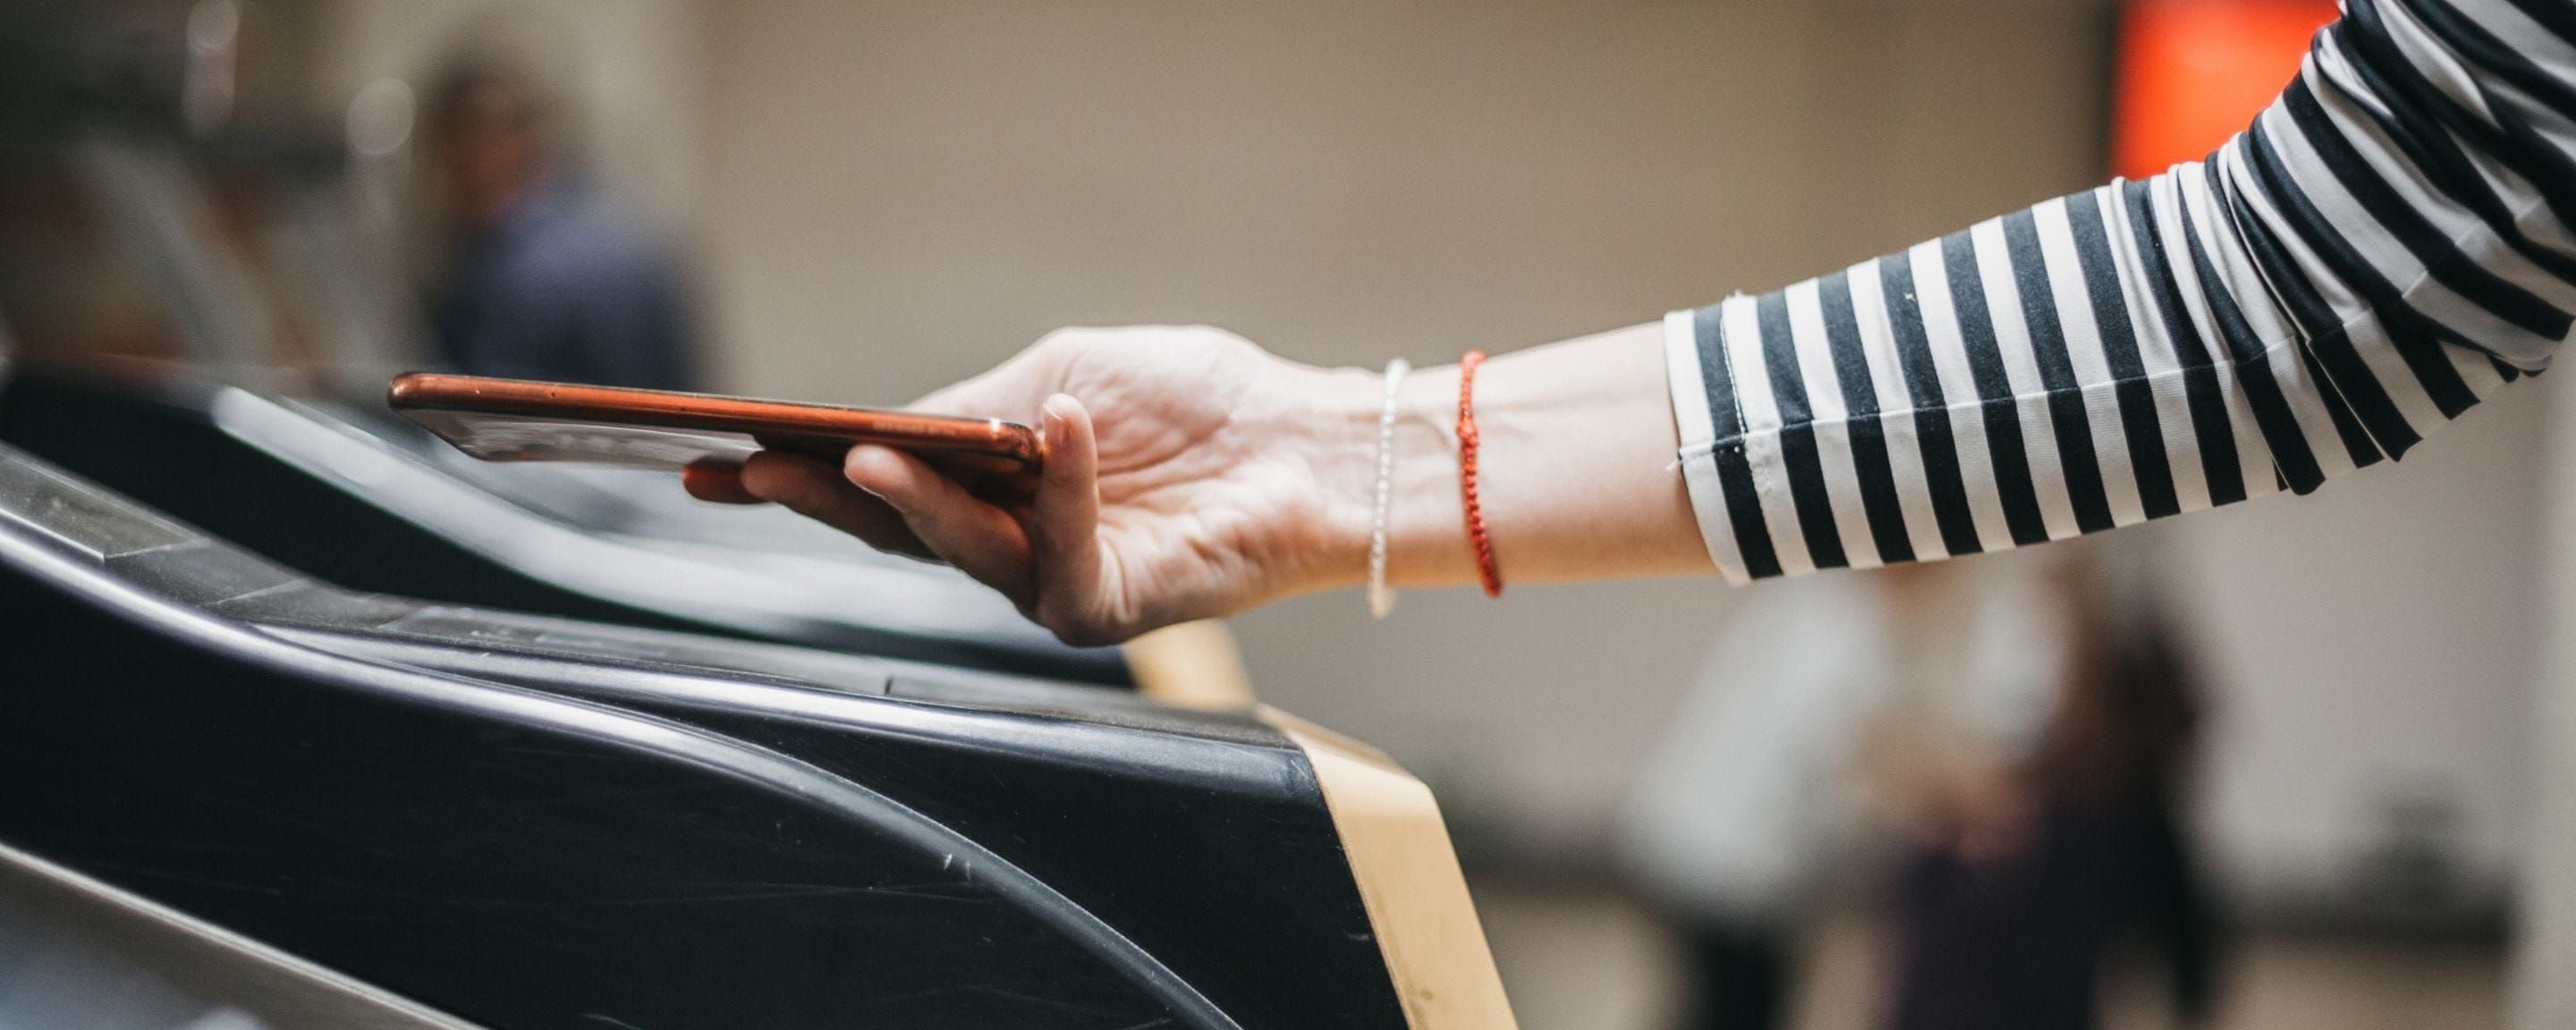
[
  {"x": 1743, "y": 808},
  {"x": 2030, "y": 765},
  {"x": 545, "y": 275},
  {"x": 2018, "y": 727}
]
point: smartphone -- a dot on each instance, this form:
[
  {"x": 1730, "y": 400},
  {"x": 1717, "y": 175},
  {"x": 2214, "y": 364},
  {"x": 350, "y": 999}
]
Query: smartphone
[{"x": 525, "y": 420}]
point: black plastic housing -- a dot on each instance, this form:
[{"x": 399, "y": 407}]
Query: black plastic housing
[{"x": 536, "y": 822}]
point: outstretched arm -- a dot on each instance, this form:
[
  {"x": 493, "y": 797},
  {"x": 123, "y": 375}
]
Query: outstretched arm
[{"x": 2389, "y": 243}]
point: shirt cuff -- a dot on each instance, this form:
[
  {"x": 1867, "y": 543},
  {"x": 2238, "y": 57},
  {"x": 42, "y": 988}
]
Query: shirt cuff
[{"x": 1699, "y": 443}]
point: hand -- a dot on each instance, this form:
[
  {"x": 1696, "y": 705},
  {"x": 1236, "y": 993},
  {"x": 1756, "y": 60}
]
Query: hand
[{"x": 1189, "y": 474}]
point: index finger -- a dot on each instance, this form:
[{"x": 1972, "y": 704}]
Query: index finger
[{"x": 713, "y": 479}]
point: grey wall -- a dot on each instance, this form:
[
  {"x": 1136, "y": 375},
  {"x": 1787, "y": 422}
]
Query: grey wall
[
  {"x": 2544, "y": 995},
  {"x": 2376, "y": 641}
]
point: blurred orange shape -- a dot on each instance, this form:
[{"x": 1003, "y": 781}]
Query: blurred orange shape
[{"x": 2194, "y": 72}]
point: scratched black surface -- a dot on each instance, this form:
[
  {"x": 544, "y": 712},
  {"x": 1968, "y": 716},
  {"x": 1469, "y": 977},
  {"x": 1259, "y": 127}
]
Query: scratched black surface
[
  {"x": 528, "y": 876},
  {"x": 517, "y": 878}
]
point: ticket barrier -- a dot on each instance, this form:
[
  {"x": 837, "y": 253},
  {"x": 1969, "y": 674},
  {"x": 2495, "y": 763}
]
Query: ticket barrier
[{"x": 293, "y": 805}]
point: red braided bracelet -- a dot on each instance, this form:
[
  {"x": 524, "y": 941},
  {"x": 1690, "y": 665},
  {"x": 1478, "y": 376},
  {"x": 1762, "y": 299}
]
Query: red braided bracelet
[{"x": 1486, "y": 568}]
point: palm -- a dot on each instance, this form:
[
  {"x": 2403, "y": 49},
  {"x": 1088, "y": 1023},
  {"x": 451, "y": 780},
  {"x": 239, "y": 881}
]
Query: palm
[{"x": 1203, "y": 511}]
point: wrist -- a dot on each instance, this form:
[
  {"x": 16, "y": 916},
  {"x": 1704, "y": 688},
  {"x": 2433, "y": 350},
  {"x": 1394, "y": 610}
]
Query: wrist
[
  {"x": 1327, "y": 421},
  {"x": 1426, "y": 536},
  {"x": 1426, "y": 529},
  {"x": 1332, "y": 424},
  {"x": 1576, "y": 471}
]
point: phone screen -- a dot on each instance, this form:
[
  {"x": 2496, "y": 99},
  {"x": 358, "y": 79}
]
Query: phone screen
[
  {"x": 536, "y": 438},
  {"x": 524, "y": 420}
]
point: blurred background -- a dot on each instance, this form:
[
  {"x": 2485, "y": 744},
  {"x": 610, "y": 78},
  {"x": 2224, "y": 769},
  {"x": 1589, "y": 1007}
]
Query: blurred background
[{"x": 2361, "y": 765}]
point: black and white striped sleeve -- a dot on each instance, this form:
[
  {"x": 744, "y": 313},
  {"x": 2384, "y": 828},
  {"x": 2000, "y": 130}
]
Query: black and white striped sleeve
[{"x": 2386, "y": 245}]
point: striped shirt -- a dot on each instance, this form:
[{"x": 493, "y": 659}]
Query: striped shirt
[{"x": 2388, "y": 244}]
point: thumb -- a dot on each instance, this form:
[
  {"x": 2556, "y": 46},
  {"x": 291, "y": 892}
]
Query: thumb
[{"x": 1064, "y": 527}]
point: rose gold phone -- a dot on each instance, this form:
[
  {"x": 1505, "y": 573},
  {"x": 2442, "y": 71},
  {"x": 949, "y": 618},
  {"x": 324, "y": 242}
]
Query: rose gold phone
[{"x": 522, "y": 420}]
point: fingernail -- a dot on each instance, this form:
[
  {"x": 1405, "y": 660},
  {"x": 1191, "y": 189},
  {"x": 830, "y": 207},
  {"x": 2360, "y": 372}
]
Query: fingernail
[
  {"x": 853, "y": 464},
  {"x": 1055, "y": 419}
]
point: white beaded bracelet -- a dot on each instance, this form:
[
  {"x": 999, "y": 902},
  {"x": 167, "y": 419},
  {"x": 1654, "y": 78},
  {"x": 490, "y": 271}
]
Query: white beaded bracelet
[{"x": 1381, "y": 599}]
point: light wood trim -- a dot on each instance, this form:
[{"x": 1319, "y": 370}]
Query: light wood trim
[
  {"x": 1409, "y": 878},
  {"x": 1192, "y": 665}
]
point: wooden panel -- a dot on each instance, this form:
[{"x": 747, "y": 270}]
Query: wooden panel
[{"x": 1408, "y": 876}]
